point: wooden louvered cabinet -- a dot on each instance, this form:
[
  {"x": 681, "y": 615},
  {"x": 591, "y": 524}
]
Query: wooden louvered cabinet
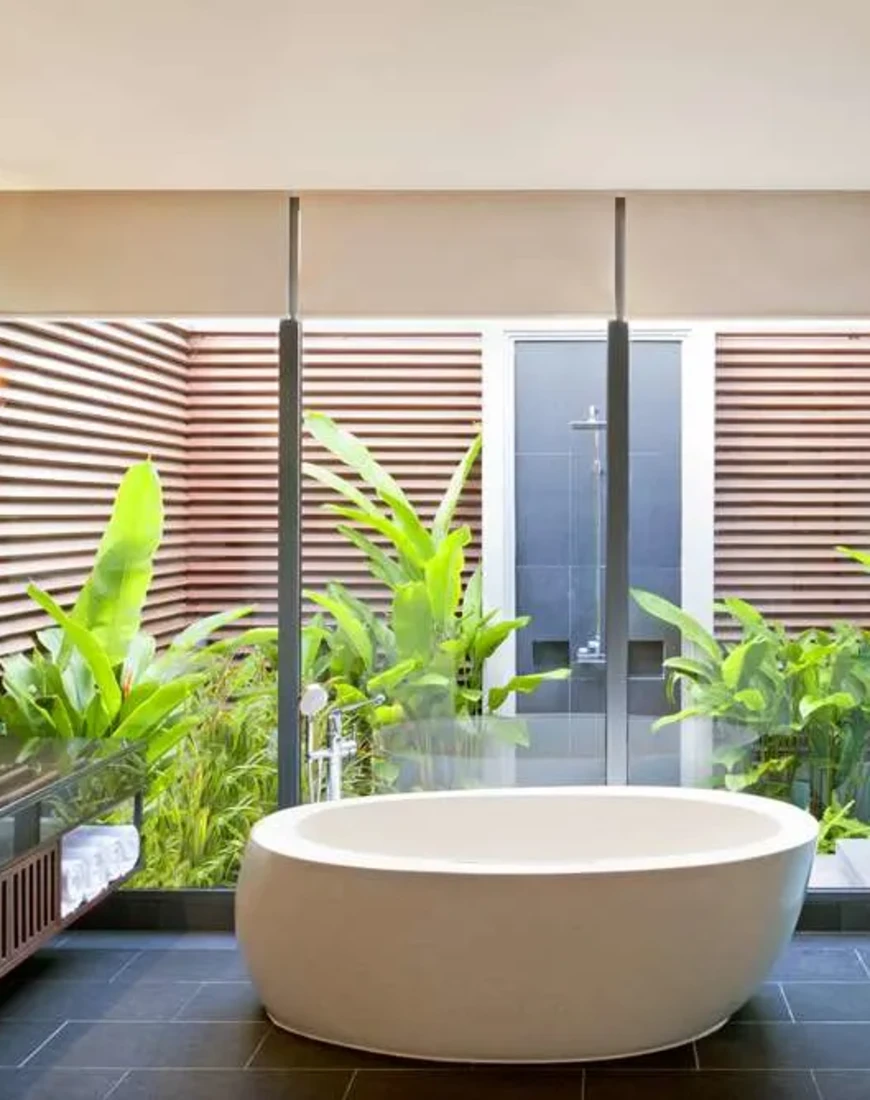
[
  {"x": 793, "y": 473},
  {"x": 29, "y": 904},
  {"x": 48, "y": 789}
]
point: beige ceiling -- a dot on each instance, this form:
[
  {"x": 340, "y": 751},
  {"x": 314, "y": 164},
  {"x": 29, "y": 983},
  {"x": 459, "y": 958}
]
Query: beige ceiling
[{"x": 310, "y": 94}]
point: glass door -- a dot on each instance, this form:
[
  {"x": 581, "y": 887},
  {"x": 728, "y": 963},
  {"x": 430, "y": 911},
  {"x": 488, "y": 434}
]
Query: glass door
[
  {"x": 560, "y": 481},
  {"x": 656, "y": 554},
  {"x": 560, "y": 504}
]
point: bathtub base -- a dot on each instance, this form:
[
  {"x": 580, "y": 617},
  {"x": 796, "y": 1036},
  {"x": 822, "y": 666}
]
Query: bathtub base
[
  {"x": 527, "y": 1061},
  {"x": 389, "y": 925}
]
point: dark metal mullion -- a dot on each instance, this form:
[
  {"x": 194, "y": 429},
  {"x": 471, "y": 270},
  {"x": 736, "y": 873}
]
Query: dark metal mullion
[
  {"x": 616, "y": 557},
  {"x": 290, "y": 530}
]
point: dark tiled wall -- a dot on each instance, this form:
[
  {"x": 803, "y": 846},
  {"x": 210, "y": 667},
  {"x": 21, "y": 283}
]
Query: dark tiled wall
[{"x": 557, "y": 382}]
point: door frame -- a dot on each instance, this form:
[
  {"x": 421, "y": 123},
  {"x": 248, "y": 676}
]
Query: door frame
[{"x": 697, "y": 442}]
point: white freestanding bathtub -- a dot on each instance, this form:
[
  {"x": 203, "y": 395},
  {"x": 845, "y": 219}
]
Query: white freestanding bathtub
[{"x": 520, "y": 925}]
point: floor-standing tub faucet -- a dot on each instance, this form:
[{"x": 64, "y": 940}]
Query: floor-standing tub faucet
[{"x": 338, "y": 748}]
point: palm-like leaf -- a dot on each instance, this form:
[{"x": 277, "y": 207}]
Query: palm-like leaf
[
  {"x": 449, "y": 502},
  {"x": 110, "y": 603},
  {"x": 89, "y": 646}
]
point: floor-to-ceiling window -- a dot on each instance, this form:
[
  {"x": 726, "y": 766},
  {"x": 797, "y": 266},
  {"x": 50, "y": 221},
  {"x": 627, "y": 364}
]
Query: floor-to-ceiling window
[
  {"x": 140, "y": 463},
  {"x": 746, "y": 480},
  {"x": 391, "y": 556}
]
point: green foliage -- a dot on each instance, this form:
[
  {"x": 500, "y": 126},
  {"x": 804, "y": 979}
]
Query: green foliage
[
  {"x": 205, "y": 798},
  {"x": 839, "y": 823},
  {"x": 96, "y": 673},
  {"x": 110, "y": 603},
  {"x": 801, "y": 704},
  {"x": 427, "y": 655}
]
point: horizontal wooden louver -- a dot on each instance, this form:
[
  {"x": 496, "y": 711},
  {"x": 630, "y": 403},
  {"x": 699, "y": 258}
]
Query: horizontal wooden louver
[
  {"x": 793, "y": 473},
  {"x": 415, "y": 398},
  {"x": 79, "y": 402}
]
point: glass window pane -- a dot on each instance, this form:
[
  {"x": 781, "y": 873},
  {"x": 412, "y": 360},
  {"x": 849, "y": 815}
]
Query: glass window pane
[
  {"x": 748, "y": 479},
  {"x": 389, "y": 562},
  {"x": 177, "y": 423}
]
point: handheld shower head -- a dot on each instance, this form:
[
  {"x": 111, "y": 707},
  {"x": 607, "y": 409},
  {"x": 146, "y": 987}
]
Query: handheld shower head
[{"x": 314, "y": 699}]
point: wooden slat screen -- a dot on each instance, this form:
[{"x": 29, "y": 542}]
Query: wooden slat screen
[
  {"x": 233, "y": 466},
  {"x": 417, "y": 402},
  {"x": 80, "y": 401},
  {"x": 415, "y": 398},
  {"x": 793, "y": 473}
]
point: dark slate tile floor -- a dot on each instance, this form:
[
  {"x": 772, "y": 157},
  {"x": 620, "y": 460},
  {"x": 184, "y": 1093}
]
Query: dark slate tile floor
[{"x": 173, "y": 1017}]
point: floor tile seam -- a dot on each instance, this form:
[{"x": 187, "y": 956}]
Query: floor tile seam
[
  {"x": 259, "y": 1046},
  {"x": 188, "y": 1001},
  {"x": 787, "y": 1069},
  {"x": 352, "y": 1081},
  {"x": 817, "y": 981},
  {"x": 735, "y": 1071},
  {"x": 787, "y": 1002},
  {"x": 164, "y": 1021},
  {"x": 114, "y": 1088},
  {"x": 362, "y": 1071},
  {"x": 129, "y": 962},
  {"x": 44, "y": 1043},
  {"x": 238, "y": 1068},
  {"x": 200, "y": 1069}
]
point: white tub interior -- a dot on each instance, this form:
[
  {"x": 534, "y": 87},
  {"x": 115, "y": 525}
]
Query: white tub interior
[{"x": 512, "y": 828}]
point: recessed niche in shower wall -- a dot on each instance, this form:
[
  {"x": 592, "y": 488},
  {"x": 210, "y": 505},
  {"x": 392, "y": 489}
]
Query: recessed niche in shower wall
[{"x": 561, "y": 578}]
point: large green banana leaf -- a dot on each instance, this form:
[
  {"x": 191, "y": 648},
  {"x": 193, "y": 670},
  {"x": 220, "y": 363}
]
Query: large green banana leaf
[
  {"x": 349, "y": 623},
  {"x": 444, "y": 578},
  {"x": 524, "y": 685},
  {"x": 353, "y": 453},
  {"x": 110, "y": 603},
  {"x": 89, "y": 646},
  {"x": 159, "y": 704},
  {"x": 413, "y": 622},
  {"x": 690, "y": 628},
  {"x": 449, "y": 502}
]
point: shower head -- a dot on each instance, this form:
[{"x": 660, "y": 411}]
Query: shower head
[{"x": 592, "y": 423}]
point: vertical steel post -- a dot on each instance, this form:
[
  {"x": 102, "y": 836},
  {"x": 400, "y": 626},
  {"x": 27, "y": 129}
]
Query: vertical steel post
[
  {"x": 617, "y": 579},
  {"x": 290, "y": 530}
]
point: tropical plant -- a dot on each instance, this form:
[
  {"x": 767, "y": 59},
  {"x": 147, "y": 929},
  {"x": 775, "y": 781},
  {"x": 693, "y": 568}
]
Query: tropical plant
[
  {"x": 419, "y": 668},
  {"x": 840, "y": 823},
  {"x": 795, "y": 709},
  {"x": 204, "y": 798},
  {"x": 97, "y": 673}
]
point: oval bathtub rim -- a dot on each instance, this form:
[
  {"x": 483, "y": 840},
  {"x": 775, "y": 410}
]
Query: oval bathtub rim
[{"x": 797, "y": 828}]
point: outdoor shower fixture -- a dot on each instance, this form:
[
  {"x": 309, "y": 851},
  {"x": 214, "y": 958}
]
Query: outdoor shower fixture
[
  {"x": 338, "y": 747},
  {"x": 592, "y": 653}
]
